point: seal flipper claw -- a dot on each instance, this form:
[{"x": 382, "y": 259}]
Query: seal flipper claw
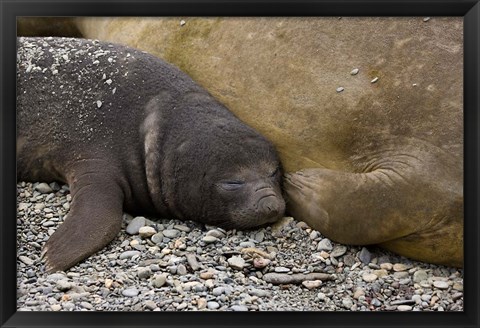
[{"x": 94, "y": 219}]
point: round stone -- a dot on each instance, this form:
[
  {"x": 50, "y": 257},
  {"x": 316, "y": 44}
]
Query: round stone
[
  {"x": 159, "y": 280},
  {"x": 238, "y": 308},
  {"x": 135, "y": 225},
  {"x": 209, "y": 239},
  {"x": 146, "y": 232},
  {"x": 144, "y": 273},
  {"x": 157, "y": 238},
  {"x": 170, "y": 233},
  {"x": 404, "y": 308},
  {"x": 338, "y": 251},
  {"x": 64, "y": 285},
  {"x": 128, "y": 255},
  {"x": 369, "y": 277},
  {"x": 324, "y": 245},
  {"x": 281, "y": 269},
  {"x": 130, "y": 292},
  {"x": 43, "y": 188},
  {"x": 236, "y": 262},
  {"x": 181, "y": 270},
  {"x": 400, "y": 267},
  {"x": 440, "y": 284},
  {"x": 420, "y": 275},
  {"x": 311, "y": 284}
]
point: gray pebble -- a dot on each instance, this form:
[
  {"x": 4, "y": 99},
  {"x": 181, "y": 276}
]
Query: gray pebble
[
  {"x": 259, "y": 292},
  {"x": 146, "y": 232},
  {"x": 171, "y": 233},
  {"x": 324, "y": 245},
  {"x": 43, "y": 188},
  {"x": 212, "y": 305},
  {"x": 217, "y": 291},
  {"x": 144, "y": 273},
  {"x": 192, "y": 261},
  {"x": 157, "y": 238},
  {"x": 236, "y": 262},
  {"x": 128, "y": 255},
  {"x": 55, "y": 277},
  {"x": 159, "y": 280},
  {"x": 260, "y": 236},
  {"x": 365, "y": 256},
  {"x": 86, "y": 305},
  {"x": 347, "y": 303},
  {"x": 281, "y": 269},
  {"x": 404, "y": 308},
  {"x": 417, "y": 299},
  {"x": 420, "y": 275},
  {"x": 183, "y": 228},
  {"x": 150, "y": 305},
  {"x": 63, "y": 285},
  {"x": 215, "y": 233},
  {"x": 135, "y": 225},
  {"x": 55, "y": 186},
  {"x": 338, "y": 251},
  {"x": 26, "y": 260},
  {"x": 321, "y": 296},
  {"x": 440, "y": 284},
  {"x": 209, "y": 239},
  {"x": 48, "y": 224},
  {"x": 130, "y": 292},
  {"x": 247, "y": 244},
  {"x": 68, "y": 306},
  {"x": 181, "y": 269},
  {"x": 239, "y": 308}
]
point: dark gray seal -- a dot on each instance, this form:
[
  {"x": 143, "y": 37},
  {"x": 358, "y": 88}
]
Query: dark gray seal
[{"x": 128, "y": 131}]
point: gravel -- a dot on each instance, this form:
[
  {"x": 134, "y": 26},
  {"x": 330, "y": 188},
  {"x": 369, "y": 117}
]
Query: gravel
[{"x": 189, "y": 266}]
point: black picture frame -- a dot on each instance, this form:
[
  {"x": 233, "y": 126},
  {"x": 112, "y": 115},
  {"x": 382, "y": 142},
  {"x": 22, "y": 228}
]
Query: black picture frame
[{"x": 469, "y": 9}]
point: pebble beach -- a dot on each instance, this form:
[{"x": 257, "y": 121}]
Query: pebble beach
[{"x": 158, "y": 264}]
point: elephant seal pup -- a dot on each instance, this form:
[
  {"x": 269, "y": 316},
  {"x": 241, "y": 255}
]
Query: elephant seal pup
[{"x": 128, "y": 131}]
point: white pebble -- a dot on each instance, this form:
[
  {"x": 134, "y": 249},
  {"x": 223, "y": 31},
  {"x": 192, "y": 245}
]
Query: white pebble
[
  {"x": 99, "y": 103},
  {"x": 340, "y": 89},
  {"x": 374, "y": 80}
]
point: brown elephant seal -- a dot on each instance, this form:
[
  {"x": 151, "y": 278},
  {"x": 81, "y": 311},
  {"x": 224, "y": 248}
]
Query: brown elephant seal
[
  {"x": 384, "y": 156},
  {"x": 128, "y": 131}
]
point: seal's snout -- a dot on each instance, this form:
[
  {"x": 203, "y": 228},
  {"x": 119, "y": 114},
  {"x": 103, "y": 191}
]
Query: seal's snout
[{"x": 271, "y": 207}]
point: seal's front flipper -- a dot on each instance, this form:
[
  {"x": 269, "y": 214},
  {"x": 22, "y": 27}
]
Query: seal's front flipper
[
  {"x": 400, "y": 195},
  {"x": 94, "y": 219}
]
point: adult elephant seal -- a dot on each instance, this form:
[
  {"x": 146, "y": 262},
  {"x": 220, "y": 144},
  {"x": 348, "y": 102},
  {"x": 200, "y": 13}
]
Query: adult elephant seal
[
  {"x": 380, "y": 162},
  {"x": 127, "y": 131}
]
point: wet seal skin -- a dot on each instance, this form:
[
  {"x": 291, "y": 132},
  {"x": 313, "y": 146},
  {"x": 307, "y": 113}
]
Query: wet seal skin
[{"x": 129, "y": 132}]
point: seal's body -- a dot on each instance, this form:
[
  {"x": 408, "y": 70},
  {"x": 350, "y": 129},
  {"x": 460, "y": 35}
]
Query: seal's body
[
  {"x": 380, "y": 162},
  {"x": 128, "y": 131}
]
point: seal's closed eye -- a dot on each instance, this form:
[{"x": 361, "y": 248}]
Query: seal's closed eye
[{"x": 231, "y": 185}]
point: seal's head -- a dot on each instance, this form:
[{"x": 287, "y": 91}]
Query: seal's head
[
  {"x": 222, "y": 172},
  {"x": 234, "y": 184}
]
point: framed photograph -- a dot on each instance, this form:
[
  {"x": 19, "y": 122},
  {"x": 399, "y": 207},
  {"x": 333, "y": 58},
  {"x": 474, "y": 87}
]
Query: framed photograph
[{"x": 299, "y": 164}]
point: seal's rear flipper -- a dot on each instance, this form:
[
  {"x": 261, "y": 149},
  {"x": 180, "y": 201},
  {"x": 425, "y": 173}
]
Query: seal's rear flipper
[{"x": 94, "y": 219}]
